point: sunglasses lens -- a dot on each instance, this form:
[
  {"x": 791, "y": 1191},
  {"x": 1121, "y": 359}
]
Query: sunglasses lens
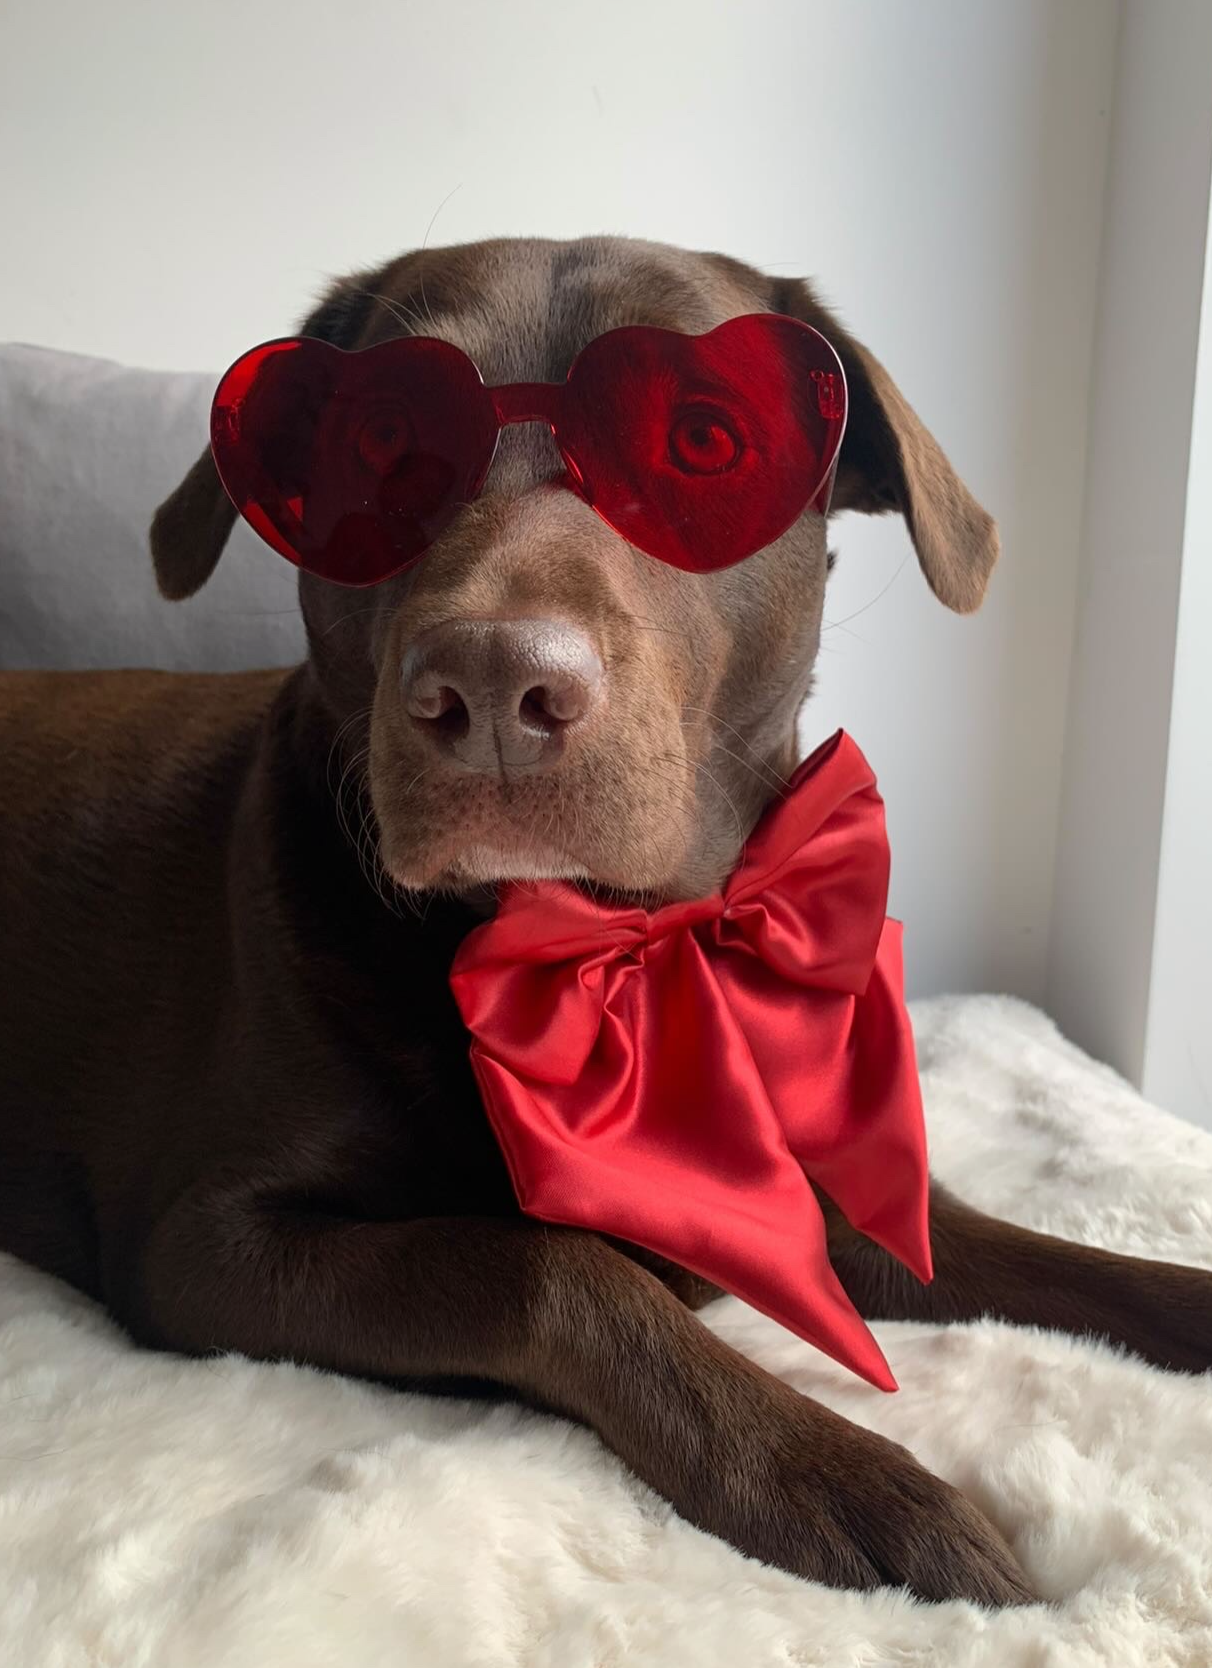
[
  {"x": 702, "y": 450},
  {"x": 351, "y": 464}
]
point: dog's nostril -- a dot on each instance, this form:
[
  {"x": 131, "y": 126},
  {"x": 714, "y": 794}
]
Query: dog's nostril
[
  {"x": 534, "y": 708},
  {"x": 433, "y": 702},
  {"x": 550, "y": 706},
  {"x": 441, "y": 707},
  {"x": 452, "y": 720}
]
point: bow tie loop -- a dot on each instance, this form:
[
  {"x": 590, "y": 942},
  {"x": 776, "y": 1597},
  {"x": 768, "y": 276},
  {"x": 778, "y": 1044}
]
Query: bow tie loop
[{"x": 809, "y": 894}]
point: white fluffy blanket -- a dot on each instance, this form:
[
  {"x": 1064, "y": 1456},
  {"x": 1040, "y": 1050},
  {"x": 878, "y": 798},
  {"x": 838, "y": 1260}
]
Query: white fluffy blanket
[{"x": 158, "y": 1513}]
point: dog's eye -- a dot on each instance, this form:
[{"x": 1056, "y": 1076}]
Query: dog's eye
[
  {"x": 702, "y": 442},
  {"x": 385, "y": 438}
]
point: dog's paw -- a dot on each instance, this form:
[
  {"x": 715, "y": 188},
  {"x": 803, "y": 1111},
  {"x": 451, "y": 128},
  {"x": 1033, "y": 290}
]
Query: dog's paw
[{"x": 837, "y": 1504}]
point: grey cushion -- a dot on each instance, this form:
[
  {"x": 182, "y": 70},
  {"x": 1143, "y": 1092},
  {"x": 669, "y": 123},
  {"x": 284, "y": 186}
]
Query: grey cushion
[{"x": 87, "y": 451}]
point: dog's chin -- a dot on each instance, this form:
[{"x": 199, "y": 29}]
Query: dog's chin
[
  {"x": 481, "y": 852},
  {"x": 470, "y": 867},
  {"x": 474, "y": 872},
  {"x": 483, "y": 864},
  {"x": 486, "y": 865}
]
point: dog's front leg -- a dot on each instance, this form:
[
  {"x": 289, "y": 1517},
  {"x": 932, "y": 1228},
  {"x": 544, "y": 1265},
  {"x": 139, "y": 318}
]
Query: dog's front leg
[
  {"x": 569, "y": 1323},
  {"x": 1161, "y": 1311}
]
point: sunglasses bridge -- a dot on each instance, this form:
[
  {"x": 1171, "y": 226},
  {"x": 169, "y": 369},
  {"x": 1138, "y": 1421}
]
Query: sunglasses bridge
[
  {"x": 526, "y": 402},
  {"x": 535, "y": 402}
]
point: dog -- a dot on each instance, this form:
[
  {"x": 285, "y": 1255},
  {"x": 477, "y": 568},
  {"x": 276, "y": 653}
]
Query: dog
[{"x": 236, "y": 1103}]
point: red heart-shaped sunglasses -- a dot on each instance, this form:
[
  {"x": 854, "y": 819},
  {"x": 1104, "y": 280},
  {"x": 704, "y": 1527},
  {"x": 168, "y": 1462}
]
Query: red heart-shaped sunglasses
[{"x": 699, "y": 450}]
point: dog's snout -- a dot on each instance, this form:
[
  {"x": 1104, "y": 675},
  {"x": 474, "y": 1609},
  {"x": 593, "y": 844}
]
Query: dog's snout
[{"x": 500, "y": 695}]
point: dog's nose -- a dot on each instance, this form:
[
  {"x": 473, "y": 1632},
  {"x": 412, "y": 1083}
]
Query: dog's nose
[{"x": 500, "y": 695}]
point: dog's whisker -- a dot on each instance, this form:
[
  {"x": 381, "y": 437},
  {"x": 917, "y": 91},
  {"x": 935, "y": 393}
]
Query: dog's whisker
[
  {"x": 410, "y": 319},
  {"x": 648, "y": 625},
  {"x": 728, "y": 800},
  {"x": 425, "y": 247},
  {"x": 765, "y": 780},
  {"x": 836, "y": 625},
  {"x": 365, "y": 842},
  {"x": 343, "y": 619},
  {"x": 717, "y": 718},
  {"x": 361, "y": 716},
  {"x": 423, "y": 772},
  {"x": 342, "y": 795},
  {"x": 763, "y": 764},
  {"x": 779, "y": 780}
]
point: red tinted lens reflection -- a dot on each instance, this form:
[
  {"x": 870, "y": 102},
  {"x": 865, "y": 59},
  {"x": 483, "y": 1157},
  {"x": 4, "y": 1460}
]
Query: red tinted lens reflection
[
  {"x": 351, "y": 464},
  {"x": 701, "y": 450},
  {"x": 702, "y": 443}
]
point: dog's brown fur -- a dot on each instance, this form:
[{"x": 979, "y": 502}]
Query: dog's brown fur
[{"x": 235, "y": 1102}]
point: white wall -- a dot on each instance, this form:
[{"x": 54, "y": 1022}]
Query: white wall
[
  {"x": 1130, "y": 977},
  {"x": 1176, "y": 1069},
  {"x": 179, "y": 180}
]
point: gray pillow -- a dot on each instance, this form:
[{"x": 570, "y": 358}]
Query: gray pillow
[{"x": 87, "y": 451}]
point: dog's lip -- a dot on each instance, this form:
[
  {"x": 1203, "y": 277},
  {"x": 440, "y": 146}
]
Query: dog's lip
[
  {"x": 486, "y": 860},
  {"x": 489, "y": 863},
  {"x": 485, "y": 863}
]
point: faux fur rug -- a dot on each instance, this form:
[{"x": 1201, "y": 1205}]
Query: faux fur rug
[{"x": 157, "y": 1513}]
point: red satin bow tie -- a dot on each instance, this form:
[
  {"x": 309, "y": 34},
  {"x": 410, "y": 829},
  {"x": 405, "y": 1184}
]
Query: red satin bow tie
[{"x": 679, "y": 1079}]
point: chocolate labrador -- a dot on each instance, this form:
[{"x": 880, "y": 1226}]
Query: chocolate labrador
[{"x": 236, "y": 1103}]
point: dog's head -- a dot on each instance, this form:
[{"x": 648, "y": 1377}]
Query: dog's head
[{"x": 535, "y": 697}]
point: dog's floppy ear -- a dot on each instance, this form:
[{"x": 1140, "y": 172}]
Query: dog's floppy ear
[
  {"x": 192, "y": 525},
  {"x": 890, "y": 461}
]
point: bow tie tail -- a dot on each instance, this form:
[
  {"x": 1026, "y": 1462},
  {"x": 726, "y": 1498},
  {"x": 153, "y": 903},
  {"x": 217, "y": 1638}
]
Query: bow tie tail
[{"x": 876, "y": 1172}]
